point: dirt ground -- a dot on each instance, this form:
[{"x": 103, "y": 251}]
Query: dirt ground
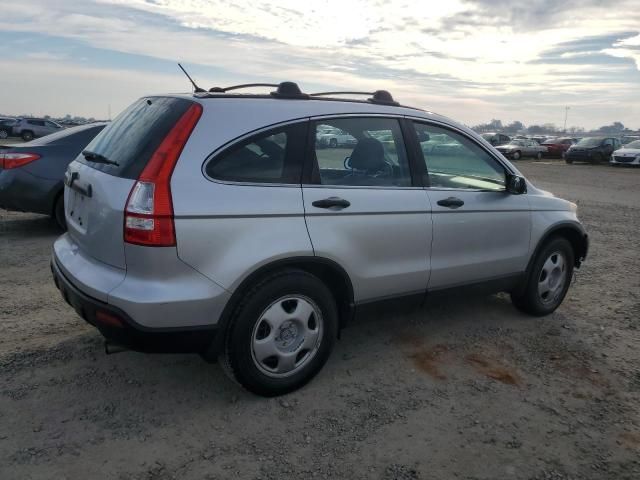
[{"x": 464, "y": 388}]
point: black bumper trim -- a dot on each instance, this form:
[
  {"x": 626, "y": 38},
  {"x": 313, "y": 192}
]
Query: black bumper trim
[{"x": 132, "y": 335}]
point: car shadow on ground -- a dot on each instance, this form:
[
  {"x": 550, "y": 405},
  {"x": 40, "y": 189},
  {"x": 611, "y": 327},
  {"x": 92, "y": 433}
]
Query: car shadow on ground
[{"x": 27, "y": 225}]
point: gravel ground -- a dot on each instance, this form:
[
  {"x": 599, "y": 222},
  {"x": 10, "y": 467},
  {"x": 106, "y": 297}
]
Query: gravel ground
[{"x": 463, "y": 388}]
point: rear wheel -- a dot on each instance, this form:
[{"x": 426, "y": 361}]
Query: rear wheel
[
  {"x": 27, "y": 136},
  {"x": 333, "y": 143},
  {"x": 58, "y": 213},
  {"x": 549, "y": 279},
  {"x": 281, "y": 334},
  {"x": 3, "y": 134}
]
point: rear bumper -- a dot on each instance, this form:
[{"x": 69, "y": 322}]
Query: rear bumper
[{"x": 117, "y": 327}]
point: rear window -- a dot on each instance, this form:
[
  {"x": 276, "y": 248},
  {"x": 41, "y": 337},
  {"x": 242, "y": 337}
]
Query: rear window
[
  {"x": 69, "y": 135},
  {"x": 135, "y": 134}
]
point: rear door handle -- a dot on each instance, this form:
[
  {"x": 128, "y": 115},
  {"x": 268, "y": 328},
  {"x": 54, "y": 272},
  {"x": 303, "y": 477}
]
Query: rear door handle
[
  {"x": 332, "y": 202},
  {"x": 451, "y": 202}
]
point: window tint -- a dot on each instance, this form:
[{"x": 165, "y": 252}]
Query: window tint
[
  {"x": 135, "y": 134},
  {"x": 360, "y": 152},
  {"x": 454, "y": 161},
  {"x": 270, "y": 157}
]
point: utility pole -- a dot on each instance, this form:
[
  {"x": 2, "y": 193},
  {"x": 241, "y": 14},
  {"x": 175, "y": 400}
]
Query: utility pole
[{"x": 566, "y": 112}]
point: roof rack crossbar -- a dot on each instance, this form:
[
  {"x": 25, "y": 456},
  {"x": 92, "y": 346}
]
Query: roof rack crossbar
[
  {"x": 244, "y": 85},
  {"x": 321, "y": 94}
]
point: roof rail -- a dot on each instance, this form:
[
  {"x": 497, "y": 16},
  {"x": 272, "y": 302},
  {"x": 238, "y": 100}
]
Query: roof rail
[
  {"x": 381, "y": 97},
  {"x": 283, "y": 89}
]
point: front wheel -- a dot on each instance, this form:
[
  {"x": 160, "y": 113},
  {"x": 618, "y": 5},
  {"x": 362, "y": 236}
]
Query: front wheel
[
  {"x": 548, "y": 280},
  {"x": 516, "y": 155},
  {"x": 282, "y": 333},
  {"x": 539, "y": 155},
  {"x": 333, "y": 143},
  {"x": 3, "y": 134},
  {"x": 27, "y": 136}
]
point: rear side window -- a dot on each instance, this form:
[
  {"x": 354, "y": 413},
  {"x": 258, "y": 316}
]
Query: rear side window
[
  {"x": 274, "y": 156},
  {"x": 360, "y": 152},
  {"x": 135, "y": 134}
]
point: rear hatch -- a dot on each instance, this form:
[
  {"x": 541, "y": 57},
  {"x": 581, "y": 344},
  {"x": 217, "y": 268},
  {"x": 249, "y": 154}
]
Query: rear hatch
[{"x": 99, "y": 181}]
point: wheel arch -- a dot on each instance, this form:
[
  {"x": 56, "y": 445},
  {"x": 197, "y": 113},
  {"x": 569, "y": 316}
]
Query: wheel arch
[
  {"x": 573, "y": 232},
  {"x": 328, "y": 271}
]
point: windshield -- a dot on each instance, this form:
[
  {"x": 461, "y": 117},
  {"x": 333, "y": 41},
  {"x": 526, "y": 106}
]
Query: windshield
[
  {"x": 589, "y": 142},
  {"x": 635, "y": 144}
]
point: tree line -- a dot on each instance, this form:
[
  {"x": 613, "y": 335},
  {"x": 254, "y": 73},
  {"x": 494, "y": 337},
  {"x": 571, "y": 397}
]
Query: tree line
[{"x": 546, "y": 128}]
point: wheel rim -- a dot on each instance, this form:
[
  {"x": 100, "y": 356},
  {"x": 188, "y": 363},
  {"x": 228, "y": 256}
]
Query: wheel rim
[
  {"x": 3, "y": 134},
  {"x": 516, "y": 155},
  {"x": 286, "y": 336},
  {"x": 552, "y": 278}
]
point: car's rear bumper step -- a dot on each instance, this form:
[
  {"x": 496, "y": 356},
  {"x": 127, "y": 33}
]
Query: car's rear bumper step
[{"x": 122, "y": 332}]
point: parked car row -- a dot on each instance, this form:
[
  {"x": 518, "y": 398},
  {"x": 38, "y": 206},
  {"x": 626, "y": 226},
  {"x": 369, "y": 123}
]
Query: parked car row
[
  {"x": 31, "y": 173},
  {"x": 27, "y": 128}
]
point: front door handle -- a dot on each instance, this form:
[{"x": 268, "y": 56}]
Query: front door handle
[
  {"x": 331, "y": 202},
  {"x": 451, "y": 202}
]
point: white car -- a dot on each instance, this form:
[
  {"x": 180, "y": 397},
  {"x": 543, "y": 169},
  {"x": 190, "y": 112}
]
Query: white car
[
  {"x": 627, "y": 155},
  {"x": 332, "y": 137}
]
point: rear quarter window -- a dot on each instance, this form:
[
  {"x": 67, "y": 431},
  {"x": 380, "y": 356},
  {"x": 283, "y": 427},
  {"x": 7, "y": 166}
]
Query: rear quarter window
[{"x": 135, "y": 134}]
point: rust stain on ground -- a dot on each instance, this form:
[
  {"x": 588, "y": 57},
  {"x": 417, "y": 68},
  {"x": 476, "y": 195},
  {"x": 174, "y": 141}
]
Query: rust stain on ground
[
  {"x": 492, "y": 369},
  {"x": 630, "y": 440},
  {"x": 428, "y": 361}
]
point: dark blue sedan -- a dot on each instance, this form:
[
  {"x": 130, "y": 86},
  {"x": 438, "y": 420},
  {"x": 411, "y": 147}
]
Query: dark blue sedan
[{"x": 32, "y": 173}]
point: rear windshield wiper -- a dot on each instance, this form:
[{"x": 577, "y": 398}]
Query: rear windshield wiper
[{"x": 97, "y": 158}]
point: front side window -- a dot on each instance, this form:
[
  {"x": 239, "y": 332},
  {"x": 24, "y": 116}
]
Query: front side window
[
  {"x": 360, "y": 152},
  {"x": 269, "y": 157},
  {"x": 454, "y": 161}
]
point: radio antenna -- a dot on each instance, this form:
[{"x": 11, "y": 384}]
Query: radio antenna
[{"x": 196, "y": 88}]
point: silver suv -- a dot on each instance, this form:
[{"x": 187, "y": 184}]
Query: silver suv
[
  {"x": 215, "y": 223},
  {"x": 30, "y": 128}
]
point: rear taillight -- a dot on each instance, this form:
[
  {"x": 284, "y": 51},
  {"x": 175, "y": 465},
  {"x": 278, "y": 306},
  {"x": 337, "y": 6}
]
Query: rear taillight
[
  {"x": 148, "y": 218},
  {"x": 16, "y": 160}
]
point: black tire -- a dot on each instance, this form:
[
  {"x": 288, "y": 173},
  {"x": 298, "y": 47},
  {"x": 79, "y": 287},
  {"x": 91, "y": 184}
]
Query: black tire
[
  {"x": 237, "y": 357},
  {"x": 527, "y": 298},
  {"x": 27, "y": 136},
  {"x": 516, "y": 155},
  {"x": 568, "y": 160},
  {"x": 4, "y": 134},
  {"x": 333, "y": 143},
  {"x": 58, "y": 213}
]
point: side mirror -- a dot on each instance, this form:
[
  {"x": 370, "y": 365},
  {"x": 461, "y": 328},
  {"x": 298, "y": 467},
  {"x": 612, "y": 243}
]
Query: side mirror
[{"x": 516, "y": 185}]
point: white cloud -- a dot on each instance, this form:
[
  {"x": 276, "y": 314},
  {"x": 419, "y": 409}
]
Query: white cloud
[{"x": 448, "y": 56}]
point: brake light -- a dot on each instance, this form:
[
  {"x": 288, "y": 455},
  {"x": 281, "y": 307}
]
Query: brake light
[
  {"x": 16, "y": 160},
  {"x": 148, "y": 216}
]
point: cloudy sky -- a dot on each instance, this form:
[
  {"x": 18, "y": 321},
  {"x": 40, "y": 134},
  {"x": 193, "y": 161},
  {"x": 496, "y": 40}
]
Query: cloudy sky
[{"x": 473, "y": 60}]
